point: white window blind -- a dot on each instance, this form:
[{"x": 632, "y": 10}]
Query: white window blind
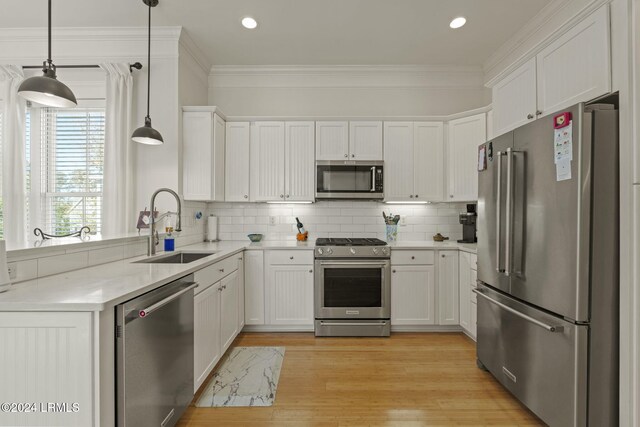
[{"x": 72, "y": 163}]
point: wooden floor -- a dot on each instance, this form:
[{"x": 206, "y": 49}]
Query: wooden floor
[{"x": 404, "y": 381}]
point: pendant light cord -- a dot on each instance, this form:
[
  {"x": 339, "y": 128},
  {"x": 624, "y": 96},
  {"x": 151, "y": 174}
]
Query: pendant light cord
[
  {"x": 149, "y": 62},
  {"x": 49, "y": 32}
]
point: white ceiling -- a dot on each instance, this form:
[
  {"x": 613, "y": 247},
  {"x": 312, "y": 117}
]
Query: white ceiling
[{"x": 307, "y": 32}]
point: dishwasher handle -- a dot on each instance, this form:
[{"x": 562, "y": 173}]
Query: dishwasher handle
[{"x": 147, "y": 311}]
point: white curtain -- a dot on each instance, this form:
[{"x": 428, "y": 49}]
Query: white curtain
[
  {"x": 13, "y": 157},
  {"x": 117, "y": 202}
]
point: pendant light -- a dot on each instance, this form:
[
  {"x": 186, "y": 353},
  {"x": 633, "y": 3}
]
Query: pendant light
[
  {"x": 146, "y": 134},
  {"x": 46, "y": 89}
]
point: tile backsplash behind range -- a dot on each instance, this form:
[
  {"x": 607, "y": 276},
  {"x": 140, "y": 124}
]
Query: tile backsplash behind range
[{"x": 335, "y": 219}]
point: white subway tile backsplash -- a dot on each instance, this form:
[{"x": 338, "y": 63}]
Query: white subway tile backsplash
[{"x": 335, "y": 219}]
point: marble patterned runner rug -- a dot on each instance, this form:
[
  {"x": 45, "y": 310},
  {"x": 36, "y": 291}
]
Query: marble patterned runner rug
[{"x": 248, "y": 377}]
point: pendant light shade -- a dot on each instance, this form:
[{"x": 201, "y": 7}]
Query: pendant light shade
[
  {"x": 46, "y": 89},
  {"x": 146, "y": 134}
]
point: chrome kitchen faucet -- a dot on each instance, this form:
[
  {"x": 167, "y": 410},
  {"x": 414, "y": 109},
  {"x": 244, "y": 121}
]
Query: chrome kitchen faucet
[{"x": 153, "y": 238}]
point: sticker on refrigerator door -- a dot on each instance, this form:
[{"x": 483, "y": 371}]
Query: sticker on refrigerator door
[
  {"x": 482, "y": 158},
  {"x": 563, "y": 143},
  {"x": 563, "y": 170}
]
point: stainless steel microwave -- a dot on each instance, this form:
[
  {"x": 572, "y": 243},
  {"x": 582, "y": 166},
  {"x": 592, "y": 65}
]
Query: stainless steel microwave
[{"x": 349, "y": 180}]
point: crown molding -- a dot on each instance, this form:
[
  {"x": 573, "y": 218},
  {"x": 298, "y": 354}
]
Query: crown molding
[
  {"x": 408, "y": 76},
  {"x": 191, "y": 48},
  {"x": 494, "y": 67}
]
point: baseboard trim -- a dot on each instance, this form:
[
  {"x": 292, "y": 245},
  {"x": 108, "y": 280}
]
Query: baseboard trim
[{"x": 398, "y": 328}]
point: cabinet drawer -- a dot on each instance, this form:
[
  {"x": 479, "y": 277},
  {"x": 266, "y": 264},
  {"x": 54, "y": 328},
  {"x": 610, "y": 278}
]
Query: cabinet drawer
[
  {"x": 295, "y": 257},
  {"x": 215, "y": 272},
  {"x": 399, "y": 257}
]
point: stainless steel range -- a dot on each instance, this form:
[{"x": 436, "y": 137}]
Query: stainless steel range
[{"x": 352, "y": 288}]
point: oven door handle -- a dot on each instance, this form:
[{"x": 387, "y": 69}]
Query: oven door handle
[{"x": 357, "y": 264}]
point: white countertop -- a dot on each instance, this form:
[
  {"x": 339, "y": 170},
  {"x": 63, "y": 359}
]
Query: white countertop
[{"x": 96, "y": 288}]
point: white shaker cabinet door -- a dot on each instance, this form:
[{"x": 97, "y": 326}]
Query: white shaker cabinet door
[
  {"x": 332, "y": 140},
  {"x": 228, "y": 310},
  {"x": 238, "y": 141},
  {"x": 398, "y": 161},
  {"x": 464, "y": 280},
  {"x": 299, "y": 161},
  {"x": 413, "y": 295},
  {"x": 206, "y": 333},
  {"x": 514, "y": 99},
  {"x": 577, "y": 66},
  {"x": 465, "y": 135},
  {"x": 448, "y": 293},
  {"x": 428, "y": 161},
  {"x": 365, "y": 140},
  {"x": 267, "y": 161},
  {"x": 291, "y": 295}
]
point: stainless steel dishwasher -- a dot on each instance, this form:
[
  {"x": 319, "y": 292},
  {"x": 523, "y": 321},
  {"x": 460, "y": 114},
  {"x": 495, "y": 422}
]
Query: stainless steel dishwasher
[{"x": 154, "y": 359}]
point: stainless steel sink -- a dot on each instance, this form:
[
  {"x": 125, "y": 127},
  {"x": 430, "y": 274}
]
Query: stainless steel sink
[{"x": 176, "y": 258}]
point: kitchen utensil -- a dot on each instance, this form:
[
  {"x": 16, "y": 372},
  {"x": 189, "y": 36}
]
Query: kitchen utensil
[{"x": 255, "y": 237}]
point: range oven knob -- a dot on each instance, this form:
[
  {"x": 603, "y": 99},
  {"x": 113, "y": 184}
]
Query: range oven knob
[
  {"x": 385, "y": 251},
  {"x": 375, "y": 251},
  {"x": 329, "y": 251},
  {"x": 320, "y": 251},
  {"x": 353, "y": 251}
]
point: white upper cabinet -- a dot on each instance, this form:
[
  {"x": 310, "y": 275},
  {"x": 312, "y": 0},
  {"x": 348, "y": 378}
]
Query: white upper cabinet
[
  {"x": 349, "y": 140},
  {"x": 413, "y": 161},
  {"x": 282, "y": 161},
  {"x": 203, "y": 145},
  {"x": 514, "y": 99},
  {"x": 267, "y": 161},
  {"x": 238, "y": 140},
  {"x": 365, "y": 140},
  {"x": 428, "y": 161},
  {"x": 332, "y": 140},
  {"x": 465, "y": 135},
  {"x": 576, "y": 67},
  {"x": 299, "y": 161},
  {"x": 398, "y": 161}
]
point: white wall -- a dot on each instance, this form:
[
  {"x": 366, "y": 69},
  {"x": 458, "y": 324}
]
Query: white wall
[{"x": 346, "y": 91}]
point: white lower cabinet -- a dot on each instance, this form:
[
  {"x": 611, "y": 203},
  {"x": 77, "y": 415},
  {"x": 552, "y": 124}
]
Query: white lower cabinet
[
  {"x": 290, "y": 287},
  {"x": 448, "y": 288},
  {"x": 254, "y": 288},
  {"x": 413, "y": 295},
  {"x": 216, "y": 317},
  {"x": 206, "y": 333},
  {"x": 467, "y": 279}
]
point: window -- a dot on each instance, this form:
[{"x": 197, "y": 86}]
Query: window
[{"x": 72, "y": 163}]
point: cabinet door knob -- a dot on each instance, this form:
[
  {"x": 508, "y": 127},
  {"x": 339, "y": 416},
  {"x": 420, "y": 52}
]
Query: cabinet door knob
[
  {"x": 442, "y": 255},
  {"x": 353, "y": 155},
  {"x": 413, "y": 257},
  {"x": 411, "y": 196},
  {"x": 310, "y": 271},
  {"x": 222, "y": 270},
  {"x": 393, "y": 271},
  {"x": 451, "y": 196},
  {"x": 416, "y": 196},
  {"x": 529, "y": 116},
  {"x": 282, "y": 196},
  {"x": 346, "y": 155},
  {"x": 246, "y": 196},
  {"x": 290, "y": 257},
  {"x": 287, "y": 196},
  {"x": 538, "y": 113}
]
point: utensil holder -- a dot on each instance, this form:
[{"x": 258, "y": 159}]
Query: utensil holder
[{"x": 392, "y": 232}]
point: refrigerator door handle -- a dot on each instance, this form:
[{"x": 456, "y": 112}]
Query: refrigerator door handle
[
  {"x": 530, "y": 319},
  {"x": 498, "y": 213},
  {"x": 509, "y": 213}
]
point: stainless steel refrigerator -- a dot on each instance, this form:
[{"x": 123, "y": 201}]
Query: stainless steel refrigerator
[{"x": 548, "y": 275}]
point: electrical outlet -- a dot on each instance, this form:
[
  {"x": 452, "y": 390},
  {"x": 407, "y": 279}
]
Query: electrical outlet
[
  {"x": 273, "y": 220},
  {"x": 13, "y": 270},
  {"x": 403, "y": 220}
]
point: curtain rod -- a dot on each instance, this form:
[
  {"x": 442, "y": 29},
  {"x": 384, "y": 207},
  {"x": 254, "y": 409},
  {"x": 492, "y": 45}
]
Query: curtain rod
[{"x": 136, "y": 65}]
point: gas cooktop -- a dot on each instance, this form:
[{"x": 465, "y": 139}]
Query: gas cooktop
[{"x": 350, "y": 242}]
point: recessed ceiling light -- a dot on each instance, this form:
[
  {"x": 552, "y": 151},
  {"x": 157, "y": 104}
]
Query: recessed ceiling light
[
  {"x": 458, "y": 22},
  {"x": 249, "y": 22}
]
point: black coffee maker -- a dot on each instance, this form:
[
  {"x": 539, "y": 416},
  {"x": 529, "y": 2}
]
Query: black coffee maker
[{"x": 468, "y": 221}]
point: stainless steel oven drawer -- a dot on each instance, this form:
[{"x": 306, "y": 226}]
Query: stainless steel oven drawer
[
  {"x": 350, "y": 328},
  {"x": 540, "y": 358}
]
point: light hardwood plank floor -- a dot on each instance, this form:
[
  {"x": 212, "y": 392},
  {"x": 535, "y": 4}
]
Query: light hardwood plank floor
[{"x": 408, "y": 380}]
